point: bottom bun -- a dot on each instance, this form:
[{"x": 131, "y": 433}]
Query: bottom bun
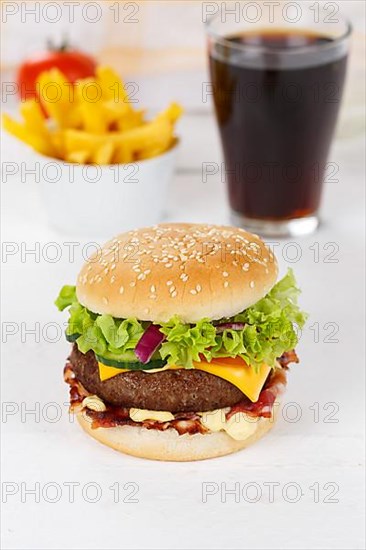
[{"x": 169, "y": 445}]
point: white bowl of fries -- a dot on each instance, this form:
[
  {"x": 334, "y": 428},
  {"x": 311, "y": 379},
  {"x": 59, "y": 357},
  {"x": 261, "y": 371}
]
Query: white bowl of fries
[
  {"x": 96, "y": 201},
  {"x": 105, "y": 166}
]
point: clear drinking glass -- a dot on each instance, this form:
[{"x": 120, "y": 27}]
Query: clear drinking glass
[{"x": 277, "y": 86}]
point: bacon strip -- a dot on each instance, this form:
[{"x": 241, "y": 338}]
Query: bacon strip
[
  {"x": 288, "y": 357},
  {"x": 182, "y": 426},
  {"x": 77, "y": 390},
  {"x": 274, "y": 386},
  {"x": 115, "y": 416}
]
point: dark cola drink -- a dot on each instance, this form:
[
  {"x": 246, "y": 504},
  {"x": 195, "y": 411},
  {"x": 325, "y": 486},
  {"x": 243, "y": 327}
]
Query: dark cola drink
[{"x": 277, "y": 95}]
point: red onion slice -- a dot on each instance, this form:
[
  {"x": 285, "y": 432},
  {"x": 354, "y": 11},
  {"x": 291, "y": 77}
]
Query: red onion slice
[
  {"x": 149, "y": 343},
  {"x": 229, "y": 326}
]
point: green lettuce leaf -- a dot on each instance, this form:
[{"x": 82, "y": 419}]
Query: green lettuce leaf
[
  {"x": 270, "y": 328},
  {"x": 66, "y": 297},
  {"x": 184, "y": 343}
]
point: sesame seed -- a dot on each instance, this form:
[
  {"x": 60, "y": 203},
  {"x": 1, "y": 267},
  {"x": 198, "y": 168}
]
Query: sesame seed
[
  {"x": 168, "y": 265},
  {"x": 225, "y": 274},
  {"x": 169, "y": 283},
  {"x": 226, "y": 284},
  {"x": 198, "y": 288},
  {"x": 252, "y": 284},
  {"x": 194, "y": 292},
  {"x": 133, "y": 284},
  {"x": 173, "y": 294},
  {"x": 246, "y": 267},
  {"x": 113, "y": 278},
  {"x": 105, "y": 300},
  {"x": 121, "y": 289},
  {"x": 141, "y": 277},
  {"x": 152, "y": 288},
  {"x": 113, "y": 266}
]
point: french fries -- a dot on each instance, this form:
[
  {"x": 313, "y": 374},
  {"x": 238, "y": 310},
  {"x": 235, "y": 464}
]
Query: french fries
[
  {"x": 38, "y": 139},
  {"x": 91, "y": 121}
]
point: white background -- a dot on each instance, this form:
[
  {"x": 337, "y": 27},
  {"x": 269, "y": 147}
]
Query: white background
[{"x": 171, "y": 511}]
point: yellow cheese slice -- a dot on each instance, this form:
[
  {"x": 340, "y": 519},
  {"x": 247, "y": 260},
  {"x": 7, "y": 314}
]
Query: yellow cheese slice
[
  {"x": 247, "y": 379},
  {"x": 106, "y": 372}
]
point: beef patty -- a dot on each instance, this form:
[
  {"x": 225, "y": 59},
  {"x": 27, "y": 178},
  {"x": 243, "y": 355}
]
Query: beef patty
[{"x": 183, "y": 390}]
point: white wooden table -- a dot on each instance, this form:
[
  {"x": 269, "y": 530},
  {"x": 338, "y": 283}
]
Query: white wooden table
[{"x": 300, "y": 487}]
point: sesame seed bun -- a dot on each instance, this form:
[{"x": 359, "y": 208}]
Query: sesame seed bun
[
  {"x": 169, "y": 445},
  {"x": 190, "y": 270}
]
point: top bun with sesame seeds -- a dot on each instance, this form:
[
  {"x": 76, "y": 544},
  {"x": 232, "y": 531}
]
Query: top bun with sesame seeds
[{"x": 193, "y": 271}]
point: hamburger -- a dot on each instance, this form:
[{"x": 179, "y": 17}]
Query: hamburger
[{"x": 181, "y": 340}]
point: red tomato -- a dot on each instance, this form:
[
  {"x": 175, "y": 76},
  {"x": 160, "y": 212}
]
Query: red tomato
[{"x": 72, "y": 63}]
